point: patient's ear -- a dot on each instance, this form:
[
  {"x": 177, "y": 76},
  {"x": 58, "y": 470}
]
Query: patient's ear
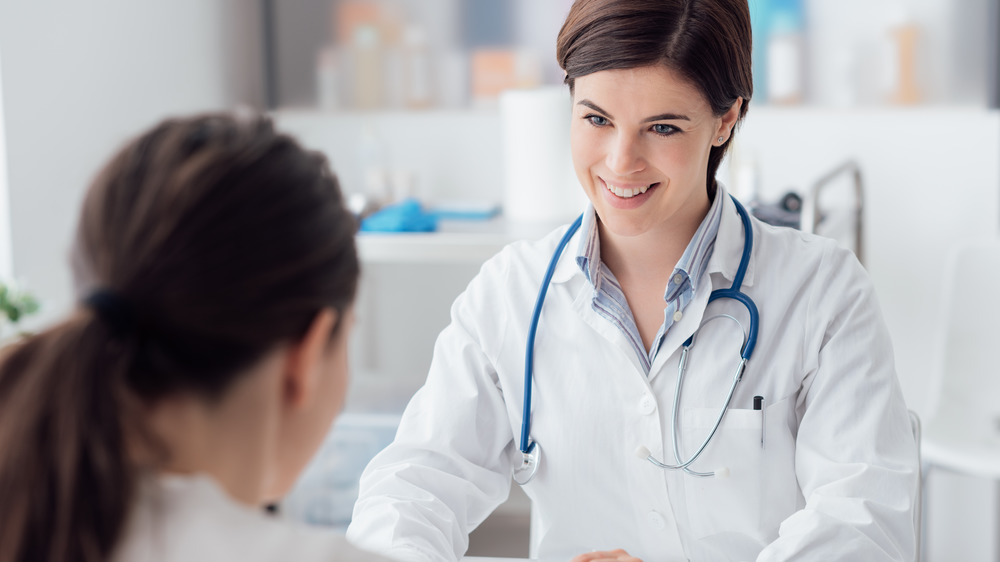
[{"x": 300, "y": 374}]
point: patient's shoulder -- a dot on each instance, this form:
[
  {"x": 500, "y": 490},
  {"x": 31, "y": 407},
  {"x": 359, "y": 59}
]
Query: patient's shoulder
[{"x": 177, "y": 518}]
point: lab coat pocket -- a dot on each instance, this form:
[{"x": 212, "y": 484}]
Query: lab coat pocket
[{"x": 724, "y": 504}]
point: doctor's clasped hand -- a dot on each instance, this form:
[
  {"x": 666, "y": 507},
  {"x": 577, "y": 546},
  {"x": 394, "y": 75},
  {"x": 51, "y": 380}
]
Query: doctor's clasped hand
[{"x": 668, "y": 375}]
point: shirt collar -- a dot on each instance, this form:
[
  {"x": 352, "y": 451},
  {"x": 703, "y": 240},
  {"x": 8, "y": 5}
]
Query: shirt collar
[{"x": 588, "y": 252}]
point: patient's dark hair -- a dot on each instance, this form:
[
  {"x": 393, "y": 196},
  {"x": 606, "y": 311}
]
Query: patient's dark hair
[
  {"x": 706, "y": 41},
  {"x": 202, "y": 245}
]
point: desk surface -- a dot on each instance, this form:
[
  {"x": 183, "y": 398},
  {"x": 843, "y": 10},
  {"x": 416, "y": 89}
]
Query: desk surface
[
  {"x": 489, "y": 559},
  {"x": 493, "y": 559}
]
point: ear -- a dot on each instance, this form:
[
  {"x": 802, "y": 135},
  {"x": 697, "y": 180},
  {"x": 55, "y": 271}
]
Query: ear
[
  {"x": 300, "y": 374},
  {"x": 728, "y": 120}
]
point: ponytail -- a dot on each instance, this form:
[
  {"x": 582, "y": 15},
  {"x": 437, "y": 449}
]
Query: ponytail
[{"x": 66, "y": 481}]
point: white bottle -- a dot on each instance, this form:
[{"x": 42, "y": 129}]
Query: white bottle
[
  {"x": 416, "y": 68},
  {"x": 328, "y": 78},
  {"x": 785, "y": 61},
  {"x": 374, "y": 167},
  {"x": 367, "y": 67}
]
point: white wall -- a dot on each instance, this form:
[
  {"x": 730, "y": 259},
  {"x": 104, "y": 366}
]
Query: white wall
[
  {"x": 79, "y": 78},
  {"x": 6, "y": 262}
]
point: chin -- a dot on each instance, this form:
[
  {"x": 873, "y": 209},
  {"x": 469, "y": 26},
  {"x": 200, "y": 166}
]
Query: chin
[{"x": 620, "y": 224}]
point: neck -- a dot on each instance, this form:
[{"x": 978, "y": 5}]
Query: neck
[
  {"x": 220, "y": 439},
  {"x": 654, "y": 254}
]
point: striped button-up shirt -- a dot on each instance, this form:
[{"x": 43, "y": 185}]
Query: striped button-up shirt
[{"x": 609, "y": 299}]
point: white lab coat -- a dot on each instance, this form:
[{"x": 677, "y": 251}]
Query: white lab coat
[
  {"x": 835, "y": 479},
  {"x": 178, "y": 518}
]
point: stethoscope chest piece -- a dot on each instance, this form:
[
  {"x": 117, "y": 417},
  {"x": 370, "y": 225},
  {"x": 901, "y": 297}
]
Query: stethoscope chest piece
[{"x": 524, "y": 472}]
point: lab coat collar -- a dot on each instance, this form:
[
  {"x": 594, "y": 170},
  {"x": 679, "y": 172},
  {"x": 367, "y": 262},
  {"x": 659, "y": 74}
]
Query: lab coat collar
[
  {"x": 568, "y": 267},
  {"x": 728, "y": 250}
]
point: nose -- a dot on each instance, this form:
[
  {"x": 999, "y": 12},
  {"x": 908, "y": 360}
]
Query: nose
[{"x": 625, "y": 155}]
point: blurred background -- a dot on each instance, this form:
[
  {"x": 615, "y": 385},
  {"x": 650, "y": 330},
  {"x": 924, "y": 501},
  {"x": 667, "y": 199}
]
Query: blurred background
[{"x": 873, "y": 121}]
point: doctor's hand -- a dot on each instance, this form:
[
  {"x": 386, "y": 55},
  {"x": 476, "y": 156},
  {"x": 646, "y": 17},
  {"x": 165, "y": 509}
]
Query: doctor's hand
[{"x": 606, "y": 556}]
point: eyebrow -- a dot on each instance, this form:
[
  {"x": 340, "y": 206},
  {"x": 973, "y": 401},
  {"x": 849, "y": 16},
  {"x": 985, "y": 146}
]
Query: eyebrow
[{"x": 660, "y": 117}]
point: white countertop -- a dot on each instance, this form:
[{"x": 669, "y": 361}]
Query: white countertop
[{"x": 455, "y": 241}]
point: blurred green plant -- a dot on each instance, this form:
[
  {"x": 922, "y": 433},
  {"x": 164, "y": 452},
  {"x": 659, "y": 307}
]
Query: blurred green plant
[{"x": 15, "y": 304}]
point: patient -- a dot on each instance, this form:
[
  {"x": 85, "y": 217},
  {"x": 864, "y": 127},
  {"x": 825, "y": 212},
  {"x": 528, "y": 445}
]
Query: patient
[{"x": 216, "y": 270}]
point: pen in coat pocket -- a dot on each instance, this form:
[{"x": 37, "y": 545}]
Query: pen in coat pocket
[{"x": 758, "y": 404}]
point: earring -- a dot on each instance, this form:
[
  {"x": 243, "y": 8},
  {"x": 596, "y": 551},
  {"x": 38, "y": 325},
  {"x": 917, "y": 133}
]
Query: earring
[{"x": 721, "y": 139}]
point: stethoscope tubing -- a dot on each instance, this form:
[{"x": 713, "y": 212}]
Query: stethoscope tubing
[{"x": 684, "y": 465}]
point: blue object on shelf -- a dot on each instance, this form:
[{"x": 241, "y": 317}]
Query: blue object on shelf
[{"x": 405, "y": 216}]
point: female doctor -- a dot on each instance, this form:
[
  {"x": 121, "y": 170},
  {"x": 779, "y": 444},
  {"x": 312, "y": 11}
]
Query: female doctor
[{"x": 813, "y": 458}]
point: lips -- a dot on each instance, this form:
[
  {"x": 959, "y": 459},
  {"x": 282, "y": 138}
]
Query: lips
[{"x": 627, "y": 196}]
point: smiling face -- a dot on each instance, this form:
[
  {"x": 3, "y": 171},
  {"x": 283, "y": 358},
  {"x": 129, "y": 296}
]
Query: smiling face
[{"x": 641, "y": 139}]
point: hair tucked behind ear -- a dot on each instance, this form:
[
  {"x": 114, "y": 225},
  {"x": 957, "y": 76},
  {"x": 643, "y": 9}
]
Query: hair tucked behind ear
[{"x": 216, "y": 239}]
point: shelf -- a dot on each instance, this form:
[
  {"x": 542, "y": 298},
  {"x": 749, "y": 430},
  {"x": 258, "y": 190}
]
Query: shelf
[{"x": 470, "y": 242}]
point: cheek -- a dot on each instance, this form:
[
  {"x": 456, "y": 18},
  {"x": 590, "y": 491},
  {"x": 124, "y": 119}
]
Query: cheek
[
  {"x": 336, "y": 369},
  {"x": 683, "y": 160},
  {"x": 339, "y": 376},
  {"x": 584, "y": 145},
  {"x": 311, "y": 427}
]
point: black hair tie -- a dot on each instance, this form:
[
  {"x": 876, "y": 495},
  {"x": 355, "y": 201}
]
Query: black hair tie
[{"x": 113, "y": 310}]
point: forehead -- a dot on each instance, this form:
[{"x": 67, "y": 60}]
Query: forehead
[{"x": 645, "y": 90}]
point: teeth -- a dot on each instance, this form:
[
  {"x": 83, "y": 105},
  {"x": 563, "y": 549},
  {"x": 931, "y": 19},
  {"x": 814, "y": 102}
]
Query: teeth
[{"x": 626, "y": 193}]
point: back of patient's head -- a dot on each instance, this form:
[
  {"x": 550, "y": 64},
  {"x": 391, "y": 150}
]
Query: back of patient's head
[{"x": 201, "y": 245}]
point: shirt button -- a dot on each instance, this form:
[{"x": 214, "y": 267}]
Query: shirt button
[
  {"x": 678, "y": 315},
  {"x": 657, "y": 521},
  {"x": 647, "y": 405},
  {"x": 678, "y": 279}
]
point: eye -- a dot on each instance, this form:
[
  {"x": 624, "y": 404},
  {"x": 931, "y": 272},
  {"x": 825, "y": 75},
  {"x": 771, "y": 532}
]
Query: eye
[
  {"x": 664, "y": 130},
  {"x": 597, "y": 120}
]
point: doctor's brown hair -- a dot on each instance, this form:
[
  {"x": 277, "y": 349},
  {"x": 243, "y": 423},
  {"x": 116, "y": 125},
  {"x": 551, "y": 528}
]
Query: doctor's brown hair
[
  {"x": 206, "y": 241},
  {"x": 706, "y": 41}
]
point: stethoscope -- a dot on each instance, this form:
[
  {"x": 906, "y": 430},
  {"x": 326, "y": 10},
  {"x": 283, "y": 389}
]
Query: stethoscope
[{"x": 531, "y": 452}]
